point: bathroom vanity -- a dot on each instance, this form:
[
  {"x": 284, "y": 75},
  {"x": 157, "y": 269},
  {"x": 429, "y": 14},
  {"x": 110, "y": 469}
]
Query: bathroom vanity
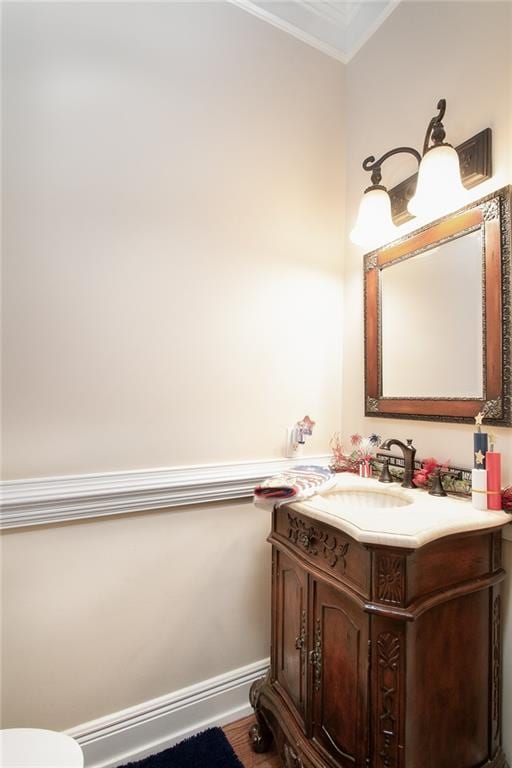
[{"x": 386, "y": 632}]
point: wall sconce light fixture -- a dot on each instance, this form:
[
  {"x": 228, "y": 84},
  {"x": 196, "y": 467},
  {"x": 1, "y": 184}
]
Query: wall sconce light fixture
[{"x": 439, "y": 187}]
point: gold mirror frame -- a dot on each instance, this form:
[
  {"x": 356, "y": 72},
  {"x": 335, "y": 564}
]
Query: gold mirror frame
[{"x": 492, "y": 215}]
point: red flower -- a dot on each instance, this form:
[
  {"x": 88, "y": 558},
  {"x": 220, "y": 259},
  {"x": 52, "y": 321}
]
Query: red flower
[
  {"x": 506, "y": 499},
  {"x": 421, "y": 478},
  {"x": 429, "y": 464}
]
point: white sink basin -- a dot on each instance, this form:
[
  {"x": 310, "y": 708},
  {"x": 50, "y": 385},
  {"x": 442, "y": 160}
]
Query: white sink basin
[
  {"x": 359, "y": 498},
  {"x": 388, "y": 515}
]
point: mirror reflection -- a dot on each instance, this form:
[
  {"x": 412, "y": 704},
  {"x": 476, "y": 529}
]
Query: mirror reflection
[{"x": 431, "y": 323}]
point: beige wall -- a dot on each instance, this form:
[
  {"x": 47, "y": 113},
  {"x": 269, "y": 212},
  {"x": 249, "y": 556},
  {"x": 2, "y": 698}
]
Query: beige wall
[
  {"x": 176, "y": 186},
  {"x": 103, "y": 615},
  {"x": 174, "y": 207},
  {"x": 418, "y": 56}
]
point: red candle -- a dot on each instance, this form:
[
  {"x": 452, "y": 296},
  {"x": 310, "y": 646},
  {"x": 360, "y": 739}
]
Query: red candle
[{"x": 493, "y": 465}]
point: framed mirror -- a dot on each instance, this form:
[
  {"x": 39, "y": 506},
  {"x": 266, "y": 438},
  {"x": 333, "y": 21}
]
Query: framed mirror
[{"x": 438, "y": 319}]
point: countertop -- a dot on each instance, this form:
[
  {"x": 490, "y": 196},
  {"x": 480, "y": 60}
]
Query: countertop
[{"x": 420, "y": 519}]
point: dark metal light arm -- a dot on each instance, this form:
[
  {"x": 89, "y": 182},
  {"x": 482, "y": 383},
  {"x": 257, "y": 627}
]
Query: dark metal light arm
[
  {"x": 475, "y": 161},
  {"x": 371, "y": 164},
  {"x": 435, "y": 127},
  {"x": 435, "y": 132}
]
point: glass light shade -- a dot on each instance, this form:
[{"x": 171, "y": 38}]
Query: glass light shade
[
  {"x": 374, "y": 225},
  {"x": 439, "y": 189}
]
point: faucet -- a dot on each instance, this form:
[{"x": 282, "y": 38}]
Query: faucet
[{"x": 409, "y": 453}]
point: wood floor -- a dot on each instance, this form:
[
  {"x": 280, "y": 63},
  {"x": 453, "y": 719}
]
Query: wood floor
[{"x": 238, "y": 736}]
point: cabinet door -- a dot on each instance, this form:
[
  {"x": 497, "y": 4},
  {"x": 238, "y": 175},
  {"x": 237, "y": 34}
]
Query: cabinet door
[
  {"x": 289, "y": 660},
  {"x": 339, "y": 667}
]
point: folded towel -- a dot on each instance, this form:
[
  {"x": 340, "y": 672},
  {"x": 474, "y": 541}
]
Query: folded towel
[{"x": 293, "y": 485}]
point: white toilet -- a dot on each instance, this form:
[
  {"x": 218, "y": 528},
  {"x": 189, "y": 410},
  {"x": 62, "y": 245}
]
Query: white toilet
[{"x": 37, "y": 748}]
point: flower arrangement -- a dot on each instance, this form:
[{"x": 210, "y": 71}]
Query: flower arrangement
[
  {"x": 359, "y": 457},
  {"x": 428, "y": 466},
  {"x": 506, "y": 499}
]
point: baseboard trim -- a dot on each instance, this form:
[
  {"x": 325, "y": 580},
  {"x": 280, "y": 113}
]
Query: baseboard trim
[
  {"x": 154, "y": 725},
  {"x": 46, "y": 500}
]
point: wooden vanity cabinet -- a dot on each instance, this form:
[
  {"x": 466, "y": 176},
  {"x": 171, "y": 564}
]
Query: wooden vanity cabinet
[
  {"x": 291, "y": 640},
  {"x": 382, "y": 657}
]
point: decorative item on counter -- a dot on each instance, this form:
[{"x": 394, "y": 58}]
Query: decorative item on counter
[
  {"x": 429, "y": 466},
  {"x": 479, "y": 489},
  {"x": 479, "y": 444},
  {"x": 295, "y": 437},
  {"x": 479, "y": 473},
  {"x": 506, "y": 499},
  {"x": 493, "y": 465},
  {"x": 456, "y": 480},
  {"x": 342, "y": 461},
  {"x": 359, "y": 459},
  {"x": 294, "y": 484}
]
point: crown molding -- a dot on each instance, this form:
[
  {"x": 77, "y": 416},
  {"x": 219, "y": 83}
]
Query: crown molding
[
  {"x": 47, "y": 500},
  {"x": 291, "y": 29},
  {"x": 356, "y": 28},
  {"x": 339, "y": 16},
  {"x": 372, "y": 28}
]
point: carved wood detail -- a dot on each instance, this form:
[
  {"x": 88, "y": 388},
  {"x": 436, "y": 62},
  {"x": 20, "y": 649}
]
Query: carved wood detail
[
  {"x": 372, "y": 404},
  {"x": 388, "y": 649},
  {"x": 316, "y": 656},
  {"x": 291, "y": 758},
  {"x": 370, "y": 261},
  {"x": 390, "y": 579},
  {"x": 490, "y": 210},
  {"x": 300, "y": 642},
  {"x": 493, "y": 409},
  {"x": 301, "y": 533},
  {"x": 332, "y": 548}
]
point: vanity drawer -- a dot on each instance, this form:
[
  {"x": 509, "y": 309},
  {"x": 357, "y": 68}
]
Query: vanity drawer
[
  {"x": 452, "y": 561},
  {"x": 325, "y": 547}
]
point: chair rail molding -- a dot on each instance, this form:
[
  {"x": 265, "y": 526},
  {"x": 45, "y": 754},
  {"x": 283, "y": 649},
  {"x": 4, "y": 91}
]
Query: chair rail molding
[{"x": 46, "y": 500}]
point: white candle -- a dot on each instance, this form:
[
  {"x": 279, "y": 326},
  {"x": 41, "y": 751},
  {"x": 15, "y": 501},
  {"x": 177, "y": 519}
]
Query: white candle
[{"x": 479, "y": 488}]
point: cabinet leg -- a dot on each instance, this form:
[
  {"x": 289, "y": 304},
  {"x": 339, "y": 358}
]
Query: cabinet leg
[{"x": 260, "y": 734}]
